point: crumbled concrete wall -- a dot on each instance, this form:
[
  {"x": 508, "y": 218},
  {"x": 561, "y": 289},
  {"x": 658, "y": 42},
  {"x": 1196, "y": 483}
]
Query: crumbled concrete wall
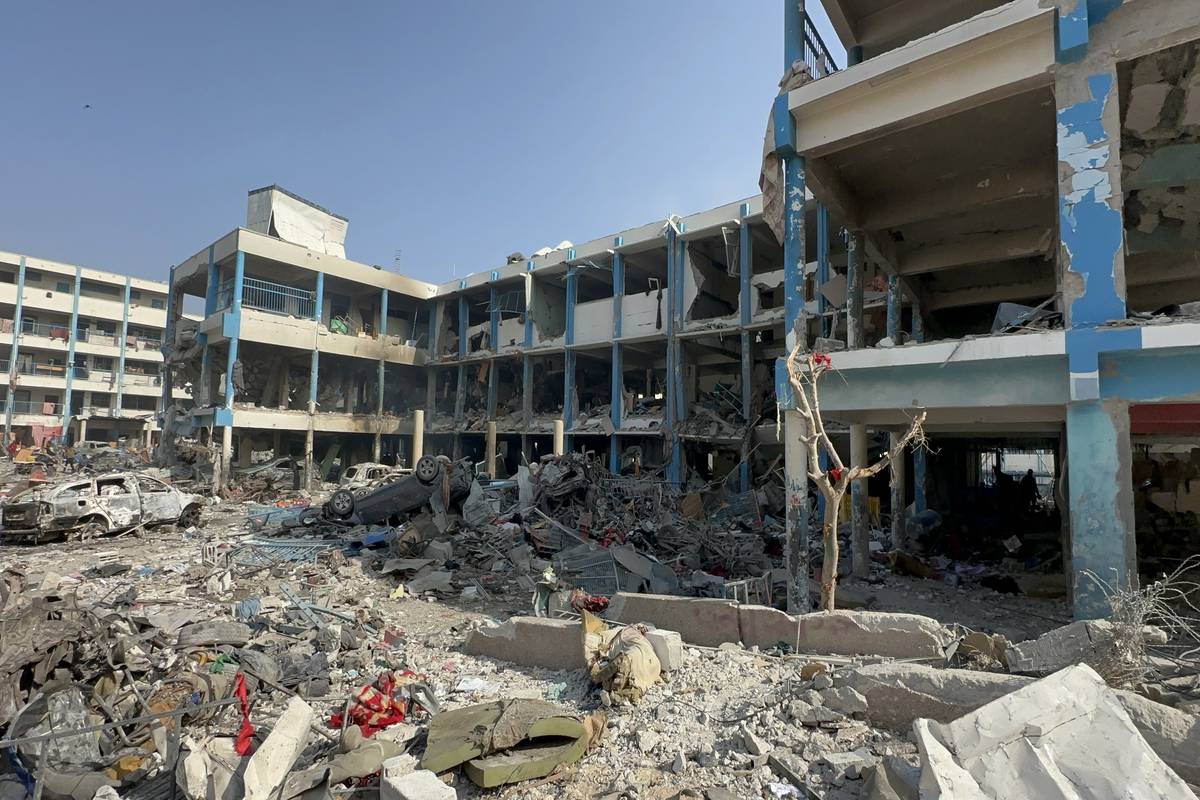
[{"x": 531, "y": 642}]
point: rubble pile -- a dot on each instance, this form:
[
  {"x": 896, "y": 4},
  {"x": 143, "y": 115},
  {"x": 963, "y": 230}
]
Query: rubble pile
[{"x": 570, "y": 633}]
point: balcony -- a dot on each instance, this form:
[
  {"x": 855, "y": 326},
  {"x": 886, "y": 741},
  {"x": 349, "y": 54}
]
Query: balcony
[
  {"x": 35, "y": 407},
  {"x": 274, "y": 298},
  {"x": 816, "y": 55}
]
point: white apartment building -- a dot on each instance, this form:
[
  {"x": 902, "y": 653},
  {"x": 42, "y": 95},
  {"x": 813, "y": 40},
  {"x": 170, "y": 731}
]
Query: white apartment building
[{"x": 79, "y": 352}]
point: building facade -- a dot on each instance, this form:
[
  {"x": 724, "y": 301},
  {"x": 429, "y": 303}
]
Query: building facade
[
  {"x": 990, "y": 215},
  {"x": 80, "y": 351}
]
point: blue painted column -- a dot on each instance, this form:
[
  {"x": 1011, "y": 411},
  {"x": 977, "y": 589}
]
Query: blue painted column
[
  {"x": 1100, "y": 496},
  {"x": 210, "y": 308},
  {"x": 494, "y": 346},
  {"x": 460, "y": 388},
  {"x": 795, "y": 255},
  {"x": 66, "y": 418},
  {"x": 235, "y": 311},
  {"x": 167, "y": 348},
  {"x": 681, "y": 259},
  {"x": 745, "y": 306},
  {"x": 894, "y": 309},
  {"x": 674, "y": 465},
  {"x": 122, "y": 340},
  {"x": 855, "y": 337},
  {"x": 617, "y": 375},
  {"x": 431, "y": 373},
  {"x": 898, "y": 489},
  {"x": 14, "y": 351}
]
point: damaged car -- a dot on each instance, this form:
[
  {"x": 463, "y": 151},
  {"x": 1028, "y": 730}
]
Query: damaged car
[
  {"x": 434, "y": 481},
  {"x": 87, "y": 507}
]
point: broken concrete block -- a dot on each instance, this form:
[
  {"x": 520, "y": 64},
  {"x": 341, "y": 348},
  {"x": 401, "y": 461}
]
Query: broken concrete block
[
  {"x": 1063, "y": 736},
  {"x": 419, "y": 785},
  {"x": 897, "y": 694},
  {"x": 702, "y": 621},
  {"x": 1076, "y": 643},
  {"x": 399, "y": 766},
  {"x": 1173, "y": 734},
  {"x": 851, "y": 764},
  {"x": 789, "y": 766},
  {"x": 668, "y": 646},
  {"x": 846, "y": 700},
  {"x": 531, "y": 642},
  {"x": 873, "y": 633},
  {"x": 268, "y": 768},
  {"x": 754, "y": 744},
  {"x": 765, "y": 627}
]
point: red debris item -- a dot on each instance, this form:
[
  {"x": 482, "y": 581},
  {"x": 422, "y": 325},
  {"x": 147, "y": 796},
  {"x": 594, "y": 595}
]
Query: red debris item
[
  {"x": 835, "y": 474},
  {"x": 245, "y": 736},
  {"x": 381, "y": 705},
  {"x": 822, "y": 360},
  {"x": 582, "y": 601}
]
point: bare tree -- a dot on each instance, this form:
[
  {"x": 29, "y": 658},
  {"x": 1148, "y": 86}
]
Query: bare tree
[{"x": 805, "y": 370}]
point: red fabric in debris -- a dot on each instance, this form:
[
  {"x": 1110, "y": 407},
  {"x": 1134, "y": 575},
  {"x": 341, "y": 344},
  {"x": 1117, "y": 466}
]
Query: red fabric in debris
[
  {"x": 835, "y": 474},
  {"x": 245, "y": 737},
  {"x": 376, "y": 707}
]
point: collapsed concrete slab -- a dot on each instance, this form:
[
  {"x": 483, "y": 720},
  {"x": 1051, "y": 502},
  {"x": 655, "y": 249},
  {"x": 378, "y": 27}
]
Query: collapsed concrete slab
[
  {"x": 1062, "y": 736},
  {"x": 702, "y": 621},
  {"x": 531, "y": 642},
  {"x": 1071, "y": 644},
  {"x": 763, "y": 627},
  {"x": 897, "y": 694},
  {"x": 873, "y": 633}
]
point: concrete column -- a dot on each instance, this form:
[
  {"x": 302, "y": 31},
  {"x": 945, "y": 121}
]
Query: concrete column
[
  {"x": 490, "y": 451},
  {"x": 860, "y": 536},
  {"x": 377, "y": 447},
  {"x": 226, "y": 454},
  {"x": 74, "y": 336},
  {"x": 795, "y": 455},
  {"x": 558, "y": 437},
  {"x": 418, "y": 436},
  {"x": 894, "y": 309},
  {"x": 277, "y": 443},
  {"x": 83, "y": 428},
  {"x": 899, "y": 520},
  {"x": 670, "y": 417},
  {"x": 1100, "y": 502},
  {"x": 309, "y": 478},
  {"x": 348, "y": 394},
  {"x": 823, "y": 267},
  {"x": 235, "y": 310},
  {"x": 460, "y": 395},
  {"x": 121, "y": 343},
  {"x": 569, "y": 410},
  {"x": 854, "y": 291},
  {"x": 148, "y": 432},
  {"x": 14, "y": 351},
  {"x": 245, "y": 450}
]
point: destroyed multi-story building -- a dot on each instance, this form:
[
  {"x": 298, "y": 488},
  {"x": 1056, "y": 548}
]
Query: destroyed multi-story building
[
  {"x": 81, "y": 352},
  {"x": 1000, "y": 228}
]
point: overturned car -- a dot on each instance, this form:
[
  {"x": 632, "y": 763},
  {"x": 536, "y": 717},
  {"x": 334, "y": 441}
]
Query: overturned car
[
  {"x": 435, "y": 481},
  {"x": 93, "y": 506}
]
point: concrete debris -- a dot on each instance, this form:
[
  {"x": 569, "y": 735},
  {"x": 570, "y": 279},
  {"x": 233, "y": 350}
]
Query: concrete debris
[
  {"x": 1066, "y": 735},
  {"x": 340, "y": 644}
]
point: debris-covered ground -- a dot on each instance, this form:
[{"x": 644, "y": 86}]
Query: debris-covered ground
[{"x": 308, "y": 648}]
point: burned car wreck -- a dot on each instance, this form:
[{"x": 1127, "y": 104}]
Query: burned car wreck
[
  {"x": 93, "y": 506},
  {"x": 435, "y": 481}
]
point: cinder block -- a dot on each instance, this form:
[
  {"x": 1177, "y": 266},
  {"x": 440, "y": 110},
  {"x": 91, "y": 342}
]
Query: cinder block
[
  {"x": 668, "y": 646},
  {"x": 531, "y": 642},
  {"x": 419, "y": 785},
  {"x": 699, "y": 620}
]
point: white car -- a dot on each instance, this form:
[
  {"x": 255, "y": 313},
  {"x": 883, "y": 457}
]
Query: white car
[{"x": 93, "y": 506}]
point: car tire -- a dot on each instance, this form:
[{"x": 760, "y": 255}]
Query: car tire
[
  {"x": 342, "y": 503},
  {"x": 427, "y": 469},
  {"x": 189, "y": 518}
]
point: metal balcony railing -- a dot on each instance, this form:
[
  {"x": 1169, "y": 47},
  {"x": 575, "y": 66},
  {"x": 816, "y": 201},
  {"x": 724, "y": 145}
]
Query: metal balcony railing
[
  {"x": 274, "y": 298},
  {"x": 816, "y": 54}
]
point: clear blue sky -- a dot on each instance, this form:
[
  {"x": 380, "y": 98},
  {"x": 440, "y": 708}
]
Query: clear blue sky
[{"x": 456, "y": 131}]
